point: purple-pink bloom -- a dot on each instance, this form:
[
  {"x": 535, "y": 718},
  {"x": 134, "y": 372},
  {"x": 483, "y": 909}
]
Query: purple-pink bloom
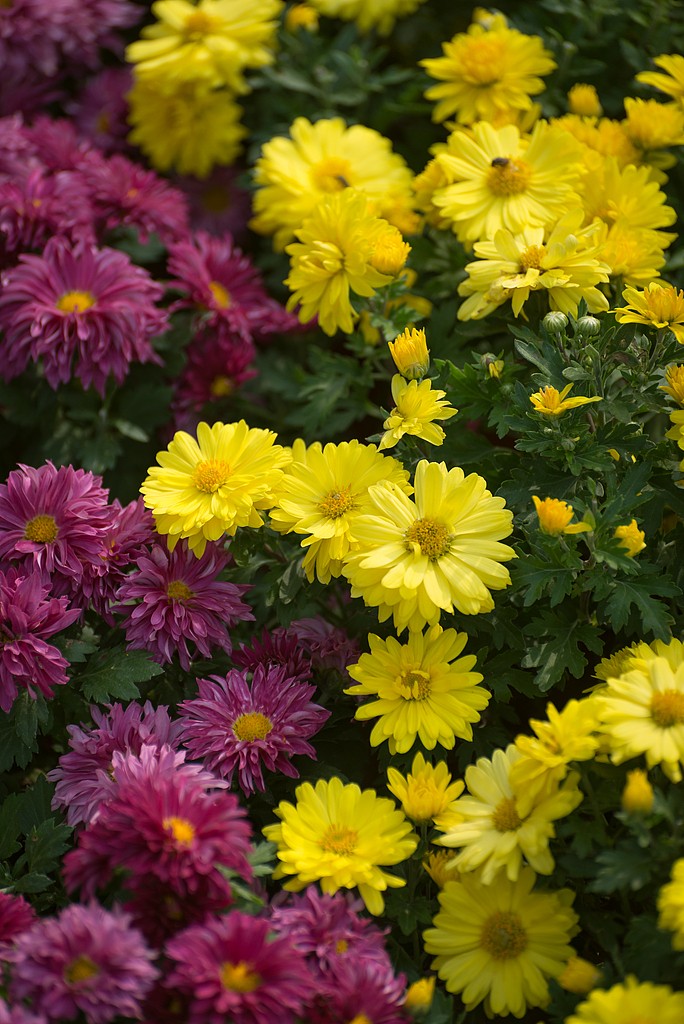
[
  {"x": 84, "y": 774},
  {"x": 18, "y": 156},
  {"x": 27, "y": 617},
  {"x": 218, "y": 362},
  {"x": 58, "y": 145},
  {"x": 16, "y": 916},
  {"x": 354, "y": 988},
  {"x": 130, "y": 531},
  {"x": 217, "y": 203},
  {"x": 86, "y": 960},
  {"x": 279, "y": 647},
  {"x": 39, "y": 206},
  {"x": 183, "y": 604},
  {"x": 79, "y": 310},
  {"x": 19, "y": 1015},
  {"x": 230, "y": 968},
  {"x": 237, "y": 727},
  {"x": 328, "y": 646},
  {"x": 101, "y": 109}
]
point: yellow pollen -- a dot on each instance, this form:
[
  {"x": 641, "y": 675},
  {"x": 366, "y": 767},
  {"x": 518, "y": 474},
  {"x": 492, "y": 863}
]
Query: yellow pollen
[
  {"x": 341, "y": 946},
  {"x": 361, "y": 1018},
  {"x": 79, "y": 970},
  {"x": 179, "y": 591},
  {"x": 336, "y": 503},
  {"x": 252, "y": 726},
  {"x": 505, "y": 817},
  {"x": 181, "y": 830},
  {"x": 332, "y": 174},
  {"x": 339, "y": 839},
  {"x": 132, "y": 193},
  {"x": 221, "y": 386},
  {"x": 507, "y": 177},
  {"x": 211, "y": 475},
  {"x": 433, "y": 539},
  {"x": 503, "y": 936},
  {"x": 532, "y": 257},
  {"x": 75, "y": 302},
  {"x": 41, "y": 530},
  {"x": 239, "y": 977},
  {"x": 481, "y": 61},
  {"x": 667, "y": 709},
  {"x": 221, "y": 294},
  {"x": 197, "y": 25},
  {"x": 415, "y": 685}
]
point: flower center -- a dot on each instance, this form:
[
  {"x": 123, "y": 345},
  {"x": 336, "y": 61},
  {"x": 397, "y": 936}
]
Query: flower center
[
  {"x": 339, "y": 839},
  {"x": 415, "y": 685},
  {"x": 102, "y": 122},
  {"x": 79, "y": 970},
  {"x": 252, "y": 726},
  {"x": 216, "y": 199},
  {"x": 197, "y": 25},
  {"x": 433, "y": 539},
  {"x": 239, "y": 977},
  {"x": 221, "y": 386},
  {"x": 532, "y": 257},
  {"x": 665, "y": 305},
  {"x": 41, "y": 530},
  {"x": 179, "y": 591},
  {"x": 180, "y": 829},
  {"x": 508, "y": 177},
  {"x": 341, "y": 946},
  {"x": 331, "y": 174},
  {"x": 221, "y": 294},
  {"x": 336, "y": 503},
  {"x": 360, "y": 1018},
  {"x": 75, "y": 302},
  {"x": 481, "y": 61},
  {"x": 505, "y": 816},
  {"x": 667, "y": 709},
  {"x": 503, "y": 935},
  {"x": 211, "y": 475}
]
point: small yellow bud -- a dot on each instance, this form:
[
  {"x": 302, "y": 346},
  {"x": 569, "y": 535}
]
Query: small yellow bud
[
  {"x": 410, "y": 353},
  {"x": 301, "y": 16},
  {"x": 554, "y": 517},
  {"x": 579, "y": 976},
  {"x": 631, "y": 538},
  {"x": 637, "y": 796},
  {"x": 390, "y": 253},
  {"x": 439, "y": 867},
  {"x": 493, "y": 366},
  {"x": 419, "y": 996},
  {"x": 583, "y": 100}
]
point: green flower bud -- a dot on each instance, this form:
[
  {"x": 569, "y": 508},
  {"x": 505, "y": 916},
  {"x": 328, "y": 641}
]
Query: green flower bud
[
  {"x": 588, "y": 327},
  {"x": 555, "y": 322}
]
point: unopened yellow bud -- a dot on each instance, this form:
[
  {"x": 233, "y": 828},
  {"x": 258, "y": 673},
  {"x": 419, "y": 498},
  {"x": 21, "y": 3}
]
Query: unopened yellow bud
[
  {"x": 631, "y": 538},
  {"x": 493, "y": 366},
  {"x": 579, "y": 976},
  {"x": 637, "y": 796},
  {"x": 419, "y": 996},
  {"x": 583, "y": 100},
  {"x": 390, "y": 253},
  {"x": 301, "y": 16},
  {"x": 410, "y": 353}
]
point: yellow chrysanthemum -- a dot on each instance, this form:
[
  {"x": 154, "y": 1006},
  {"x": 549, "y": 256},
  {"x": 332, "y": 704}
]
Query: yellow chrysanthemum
[
  {"x": 631, "y": 538},
  {"x": 623, "y": 660},
  {"x": 335, "y": 255},
  {"x": 676, "y": 431},
  {"x": 416, "y": 407},
  {"x": 426, "y": 793},
  {"x": 294, "y": 175},
  {"x": 487, "y": 71},
  {"x": 342, "y": 837},
  {"x": 658, "y": 305},
  {"x": 417, "y": 558},
  {"x": 551, "y": 402},
  {"x": 672, "y": 82},
  {"x": 642, "y": 712},
  {"x": 502, "y": 180},
  {"x": 500, "y": 943},
  {"x": 368, "y": 14},
  {"x": 635, "y": 256},
  {"x": 555, "y": 515},
  {"x": 579, "y": 976},
  {"x": 671, "y": 905},
  {"x": 627, "y": 196},
  {"x": 567, "y": 735},
  {"x": 421, "y": 691},
  {"x": 211, "y": 41},
  {"x": 419, "y": 996},
  {"x": 323, "y": 491},
  {"x": 410, "y": 353},
  {"x": 630, "y": 1002},
  {"x": 564, "y": 264},
  {"x": 637, "y": 795},
  {"x": 674, "y": 375},
  {"x": 206, "y": 487},
  {"x": 503, "y": 822},
  {"x": 603, "y": 136},
  {"x": 653, "y": 126},
  {"x": 301, "y": 16},
  {"x": 425, "y": 185},
  {"x": 583, "y": 100},
  {"x": 190, "y": 129},
  {"x": 439, "y": 866}
]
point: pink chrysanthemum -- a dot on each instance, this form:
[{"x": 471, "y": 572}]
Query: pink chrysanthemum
[
  {"x": 18, "y": 156},
  {"x": 38, "y": 207},
  {"x": 182, "y": 603},
  {"x": 25, "y": 90},
  {"x": 279, "y": 647},
  {"x": 359, "y": 989},
  {"x": 79, "y": 305},
  {"x": 58, "y": 145},
  {"x": 218, "y": 362},
  {"x": 19, "y": 1015},
  {"x": 54, "y": 521},
  {"x": 83, "y": 776},
  {"x": 130, "y": 532},
  {"x": 237, "y": 728},
  {"x": 16, "y": 917},
  {"x": 328, "y": 646},
  {"x": 88, "y": 961},
  {"x": 101, "y": 109},
  {"x": 160, "y": 913},
  {"x": 231, "y": 969},
  {"x": 27, "y": 617},
  {"x": 217, "y": 204},
  {"x": 169, "y": 821}
]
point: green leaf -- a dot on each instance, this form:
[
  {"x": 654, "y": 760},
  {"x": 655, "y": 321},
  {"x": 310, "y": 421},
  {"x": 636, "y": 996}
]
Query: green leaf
[
  {"x": 45, "y": 846},
  {"x": 642, "y": 592},
  {"x": 112, "y": 675},
  {"x": 538, "y": 578},
  {"x": 19, "y": 729},
  {"x": 9, "y": 828},
  {"x": 559, "y": 648},
  {"x": 625, "y": 867}
]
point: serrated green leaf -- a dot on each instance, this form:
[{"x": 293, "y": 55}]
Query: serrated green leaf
[
  {"x": 113, "y": 674},
  {"x": 642, "y": 592},
  {"x": 625, "y": 867},
  {"x": 46, "y": 845},
  {"x": 559, "y": 648}
]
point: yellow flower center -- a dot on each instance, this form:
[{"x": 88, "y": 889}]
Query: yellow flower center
[
  {"x": 332, "y": 174},
  {"x": 503, "y": 936},
  {"x": 79, "y": 970},
  {"x": 211, "y": 475},
  {"x": 197, "y": 25},
  {"x": 532, "y": 257},
  {"x": 663, "y": 305},
  {"x": 221, "y": 386},
  {"x": 341, "y": 946},
  {"x": 41, "y": 530},
  {"x": 360, "y": 1018},
  {"x": 433, "y": 539},
  {"x": 221, "y": 294},
  {"x": 505, "y": 816},
  {"x": 216, "y": 199},
  {"x": 667, "y": 709},
  {"x": 390, "y": 253},
  {"x": 179, "y": 591},
  {"x": 102, "y": 122},
  {"x": 507, "y": 177},
  {"x": 181, "y": 830},
  {"x": 336, "y": 503},
  {"x": 415, "y": 685},
  {"x": 239, "y": 977},
  {"x": 75, "y": 302},
  {"x": 252, "y": 726},
  {"x": 481, "y": 61},
  {"x": 339, "y": 839}
]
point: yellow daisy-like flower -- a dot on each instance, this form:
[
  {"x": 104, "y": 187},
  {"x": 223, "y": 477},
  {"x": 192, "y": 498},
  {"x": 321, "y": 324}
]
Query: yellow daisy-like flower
[
  {"x": 637, "y": 795},
  {"x": 502, "y": 823},
  {"x": 439, "y": 866},
  {"x": 190, "y": 129},
  {"x": 206, "y": 487},
  {"x": 634, "y": 255},
  {"x": 427, "y": 793},
  {"x": 564, "y": 263},
  {"x": 676, "y": 431},
  {"x": 410, "y": 353},
  {"x": 301, "y": 16},
  {"x": 368, "y": 14},
  {"x": 342, "y": 837},
  {"x": 500, "y": 943},
  {"x": 567, "y": 735},
  {"x": 502, "y": 180},
  {"x": 642, "y": 712},
  {"x": 335, "y": 255},
  {"x": 555, "y": 515},
  {"x": 658, "y": 305},
  {"x": 213, "y": 41},
  {"x": 418, "y": 558},
  {"x": 672, "y": 82},
  {"x": 674, "y": 375},
  {"x": 671, "y": 905},
  {"x": 630, "y": 1002},
  {"x": 631, "y": 538},
  {"x": 583, "y": 101},
  {"x": 603, "y": 136},
  {"x": 623, "y": 660},
  {"x": 485, "y": 71},
  {"x": 654, "y": 126},
  {"x": 551, "y": 402},
  {"x": 579, "y": 976},
  {"x": 628, "y": 197},
  {"x": 416, "y": 407},
  {"x": 294, "y": 175},
  {"x": 423, "y": 690},
  {"x": 323, "y": 491}
]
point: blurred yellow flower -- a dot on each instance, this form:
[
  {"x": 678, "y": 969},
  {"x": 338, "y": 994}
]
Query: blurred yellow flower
[
  {"x": 658, "y": 305},
  {"x": 550, "y": 402},
  {"x": 603, "y": 136},
  {"x": 630, "y": 1002},
  {"x": 567, "y": 735},
  {"x": 368, "y": 14},
  {"x": 672, "y": 82},
  {"x": 301, "y": 16},
  {"x": 579, "y": 976},
  {"x": 637, "y": 795},
  {"x": 635, "y": 255},
  {"x": 426, "y": 793},
  {"x": 653, "y": 126},
  {"x": 671, "y": 905},
  {"x": 555, "y": 515},
  {"x": 416, "y": 407},
  {"x": 631, "y": 538},
  {"x": 583, "y": 100},
  {"x": 674, "y": 375},
  {"x": 410, "y": 353},
  {"x": 439, "y": 866},
  {"x": 419, "y": 996}
]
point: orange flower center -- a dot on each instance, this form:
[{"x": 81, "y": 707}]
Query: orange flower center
[
  {"x": 211, "y": 475},
  {"x": 179, "y": 591},
  {"x": 41, "y": 530},
  {"x": 221, "y": 386},
  {"x": 75, "y": 302},
  {"x": 332, "y": 174},
  {"x": 180, "y": 830},
  {"x": 341, "y": 946},
  {"x": 432, "y": 538},
  {"x": 336, "y": 503},
  {"x": 667, "y": 709},
  {"x": 197, "y": 25},
  {"x": 221, "y": 294},
  {"x": 505, "y": 817},
  {"x": 508, "y": 177},
  {"x": 79, "y": 970},
  {"x": 252, "y": 726},
  {"x": 239, "y": 977},
  {"x": 503, "y": 936},
  {"x": 339, "y": 839},
  {"x": 415, "y": 685},
  {"x": 532, "y": 257}
]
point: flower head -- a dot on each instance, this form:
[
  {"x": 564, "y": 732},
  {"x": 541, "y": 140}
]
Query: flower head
[
  {"x": 637, "y": 795},
  {"x": 628, "y": 1001},
  {"x": 555, "y": 515},
  {"x": 16, "y": 917},
  {"x": 583, "y": 100},
  {"x": 652, "y": 126},
  {"x": 672, "y": 82},
  {"x": 359, "y": 990},
  {"x": 417, "y": 406},
  {"x": 550, "y": 402},
  {"x": 426, "y": 793},
  {"x": 368, "y": 14},
  {"x": 579, "y": 976},
  {"x": 658, "y": 305},
  {"x": 671, "y": 905},
  {"x": 419, "y": 995},
  {"x": 100, "y": 110},
  {"x": 565, "y": 736},
  {"x": 410, "y": 353},
  {"x": 674, "y": 375},
  {"x": 341, "y": 836},
  {"x": 218, "y": 362},
  {"x": 631, "y": 538},
  {"x": 130, "y": 531}
]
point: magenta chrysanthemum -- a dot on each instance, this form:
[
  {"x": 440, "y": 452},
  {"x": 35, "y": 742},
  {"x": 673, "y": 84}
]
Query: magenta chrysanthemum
[
  {"x": 27, "y": 617},
  {"x": 130, "y": 531},
  {"x": 58, "y": 145},
  {"x": 237, "y": 727},
  {"x": 19, "y": 1015},
  {"x": 182, "y": 603},
  {"x": 101, "y": 110},
  {"x": 36, "y": 207},
  {"x": 218, "y": 362},
  {"x": 231, "y": 969},
  {"x": 16, "y": 916},
  {"x": 83, "y": 775},
  {"x": 279, "y": 647},
  {"x": 79, "y": 310},
  {"x": 358, "y": 989},
  {"x": 328, "y": 646},
  {"x": 18, "y": 155},
  {"x": 88, "y": 961},
  {"x": 217, "y": 203}
]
